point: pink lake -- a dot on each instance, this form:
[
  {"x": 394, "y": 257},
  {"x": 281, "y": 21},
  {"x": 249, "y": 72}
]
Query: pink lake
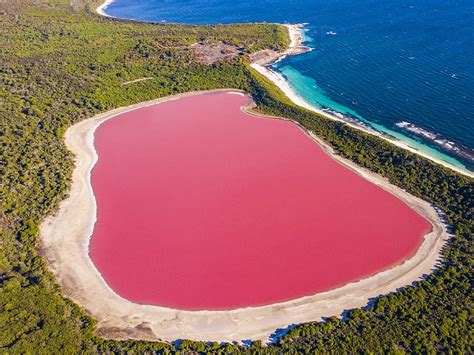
[{"x": 202, "y": 206}]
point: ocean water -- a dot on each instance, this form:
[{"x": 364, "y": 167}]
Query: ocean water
[{"x": 405, "y": 67}]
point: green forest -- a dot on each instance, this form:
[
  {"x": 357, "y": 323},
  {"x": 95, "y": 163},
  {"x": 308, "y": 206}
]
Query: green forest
[{"x": 61, "y": 63}]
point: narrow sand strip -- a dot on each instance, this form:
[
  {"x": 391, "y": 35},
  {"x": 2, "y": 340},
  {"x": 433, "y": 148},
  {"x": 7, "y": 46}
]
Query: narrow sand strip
[
  {"x": 296, "y": 47},
  {"x": 65, "y": 239},
  {"x": 101, "y": 9}
]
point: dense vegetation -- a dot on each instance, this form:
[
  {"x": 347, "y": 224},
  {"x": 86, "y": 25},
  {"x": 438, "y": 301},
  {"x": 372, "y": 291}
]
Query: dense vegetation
[{"x": 60, "y": 63}]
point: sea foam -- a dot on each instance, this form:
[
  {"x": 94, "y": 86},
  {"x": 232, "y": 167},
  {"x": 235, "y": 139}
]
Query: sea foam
[{"x": 438, "y": 139}]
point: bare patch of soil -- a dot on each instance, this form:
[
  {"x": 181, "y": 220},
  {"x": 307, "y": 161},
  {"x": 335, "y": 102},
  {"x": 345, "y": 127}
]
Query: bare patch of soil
[{"x": 209, "y": 53}]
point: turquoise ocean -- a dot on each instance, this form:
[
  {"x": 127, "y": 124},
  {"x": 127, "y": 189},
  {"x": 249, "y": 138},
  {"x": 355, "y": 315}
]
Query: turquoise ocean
[{"x": 403, "y": 67}]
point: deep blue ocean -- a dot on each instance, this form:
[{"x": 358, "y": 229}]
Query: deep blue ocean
[{"x": 405, "y": 67}]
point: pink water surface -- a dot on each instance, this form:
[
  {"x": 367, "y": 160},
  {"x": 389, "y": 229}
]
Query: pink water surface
[{"x": 201, "y": 206}]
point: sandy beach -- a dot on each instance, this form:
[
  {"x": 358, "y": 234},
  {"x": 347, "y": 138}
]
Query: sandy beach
[
  {"x": 262, "y": 62},
  {"x": 101, "y": 9},
  {"x": 65, "y": 239}
]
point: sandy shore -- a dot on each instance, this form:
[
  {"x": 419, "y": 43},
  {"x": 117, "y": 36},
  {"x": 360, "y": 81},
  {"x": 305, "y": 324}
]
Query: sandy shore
[
  {"x": 101, "y": 9},
  {"x": 65, "y": 240},
  {"x": 262, "y": 61}
]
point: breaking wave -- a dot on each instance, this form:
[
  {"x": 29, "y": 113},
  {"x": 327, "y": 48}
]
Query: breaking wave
[{"x": 444, "y": 143}]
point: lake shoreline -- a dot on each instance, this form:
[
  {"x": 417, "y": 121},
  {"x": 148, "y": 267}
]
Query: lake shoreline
[{"x": 117, "y": 318}]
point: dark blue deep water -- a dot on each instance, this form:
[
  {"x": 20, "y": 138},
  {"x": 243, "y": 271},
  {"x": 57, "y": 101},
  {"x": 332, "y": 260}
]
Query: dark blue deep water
[{"x": 404, "y": 66}]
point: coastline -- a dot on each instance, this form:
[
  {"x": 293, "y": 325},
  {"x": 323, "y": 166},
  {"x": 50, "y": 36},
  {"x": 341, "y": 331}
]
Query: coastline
[
  {"x": 101, "y": 8},
  {"x": 118, "y": 318},
  {"x": 262, "y": 64}
]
